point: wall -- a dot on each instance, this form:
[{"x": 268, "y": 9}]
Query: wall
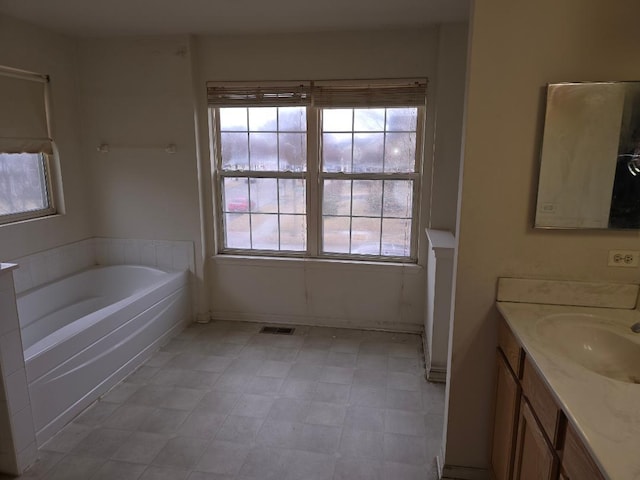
[
  {"x": 30, "y": 48},
  {"x": 515, "y": 49},
  {"x": 136, "y": 97},
  {"x": 438, "y": 305},
  {"x": 315, "y": 291},
  {"x": 448, "y": 106}
]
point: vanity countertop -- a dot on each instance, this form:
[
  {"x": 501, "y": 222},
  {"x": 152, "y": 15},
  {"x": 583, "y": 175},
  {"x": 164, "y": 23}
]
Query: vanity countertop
[{"x": 604, "y": 412}]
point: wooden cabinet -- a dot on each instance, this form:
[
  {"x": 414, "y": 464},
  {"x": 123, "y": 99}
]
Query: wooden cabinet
[
  {"x": 535, "y": 459},
  {"x": 577, "y": 464},
  {"x": 531, "y": 438},
  {"x": 506, "y": 418}
]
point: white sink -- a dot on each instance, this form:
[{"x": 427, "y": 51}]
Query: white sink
[{"x": 596, "y": 343}]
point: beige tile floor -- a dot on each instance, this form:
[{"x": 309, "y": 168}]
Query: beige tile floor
[{"x": 222, "y": 401}]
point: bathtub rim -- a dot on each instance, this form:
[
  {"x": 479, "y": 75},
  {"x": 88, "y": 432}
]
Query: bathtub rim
[{"x": 96, "y": 266}]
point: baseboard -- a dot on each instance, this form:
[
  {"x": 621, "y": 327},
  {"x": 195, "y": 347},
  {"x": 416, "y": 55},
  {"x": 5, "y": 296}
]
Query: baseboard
[
  {"x": 440, "y": 461},
  {"x": 454, "y": 472},
  {"x": 203, "y": 317},
  {"x": 437, "y": 375},
  {"x": 400, "y": 327}
]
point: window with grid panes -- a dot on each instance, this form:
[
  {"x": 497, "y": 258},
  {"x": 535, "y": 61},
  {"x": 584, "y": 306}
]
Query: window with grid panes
[{"x": 322, "y": 171}]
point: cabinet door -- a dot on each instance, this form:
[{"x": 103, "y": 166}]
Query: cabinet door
[
  {"x": 505, "y": 421},
  {"x": 576, "y": 461},
  {"x": 534, "y": 459}
]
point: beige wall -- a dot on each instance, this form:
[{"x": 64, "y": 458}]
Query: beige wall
[
  {"x": 515, "y": 49},
  {"x": 315, "y": 56},
  {"x": 315, "y": 292},
  {"x": 34, "y": 49},
  {"x": 136, "y": 96},
  {"x": 447, "y": 107}
]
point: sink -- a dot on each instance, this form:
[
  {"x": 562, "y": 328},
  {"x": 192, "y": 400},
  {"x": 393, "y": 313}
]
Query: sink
[{"x": 596, "y": 343}]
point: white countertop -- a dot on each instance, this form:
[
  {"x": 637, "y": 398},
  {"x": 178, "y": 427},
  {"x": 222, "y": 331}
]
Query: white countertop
[{"x": 604, "y": 412}]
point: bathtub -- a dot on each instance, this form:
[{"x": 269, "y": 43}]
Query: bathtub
[{"x": 84, "y": 333}]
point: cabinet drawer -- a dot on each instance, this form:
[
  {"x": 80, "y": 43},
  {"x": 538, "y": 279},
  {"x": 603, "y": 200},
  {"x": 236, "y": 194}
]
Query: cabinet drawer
[
  {"x": 542, "y": 402},
  {"x": 576, "y": 461},
  {"x": 510, "y": 347}
]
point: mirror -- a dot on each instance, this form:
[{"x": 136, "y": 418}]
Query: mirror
[{"x": 590, "y": 159}]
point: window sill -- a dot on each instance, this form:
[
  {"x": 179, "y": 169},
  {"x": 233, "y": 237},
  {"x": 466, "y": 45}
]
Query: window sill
[
  {"x": 20, "y": 221},
  {"x": 314, "y": 263}
]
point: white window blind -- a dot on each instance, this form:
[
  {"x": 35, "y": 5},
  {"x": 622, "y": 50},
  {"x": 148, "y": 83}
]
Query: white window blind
[
  {"x": 23, "y": 113},
  {"x": 384, "y": 93},
  {"x": 263, "y": 95},
  {"x": 373, "y": 93}
]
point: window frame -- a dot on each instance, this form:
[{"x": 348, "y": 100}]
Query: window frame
[
  {"x": 219, "y": 175},
  {"x": 415, "y": 176},
  {"x": 42, "y": 212},
  {"x": 314, "y": 181}
]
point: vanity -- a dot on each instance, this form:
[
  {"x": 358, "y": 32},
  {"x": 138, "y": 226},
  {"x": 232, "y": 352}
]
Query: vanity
[{"x": 568, "y": 381}]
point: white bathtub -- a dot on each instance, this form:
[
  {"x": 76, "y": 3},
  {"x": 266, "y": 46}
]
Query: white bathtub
[{"x": 83, "y": 334}]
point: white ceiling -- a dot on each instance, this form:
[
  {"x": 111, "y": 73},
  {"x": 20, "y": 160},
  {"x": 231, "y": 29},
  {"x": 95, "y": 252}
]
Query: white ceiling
[{"x": 148, "y": 17}]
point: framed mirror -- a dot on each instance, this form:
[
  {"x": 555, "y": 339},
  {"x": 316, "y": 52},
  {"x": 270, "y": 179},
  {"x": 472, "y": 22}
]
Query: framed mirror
[{"x": 590, "y": 157}]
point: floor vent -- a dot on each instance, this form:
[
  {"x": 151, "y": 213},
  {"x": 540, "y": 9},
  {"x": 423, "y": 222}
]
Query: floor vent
[{"x": 277, "y": 330}]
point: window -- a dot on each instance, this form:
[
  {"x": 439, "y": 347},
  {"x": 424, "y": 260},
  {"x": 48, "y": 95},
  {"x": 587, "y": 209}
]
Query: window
[
  {"x": 369, "y": 170},
  {"x": 264, "y": 158},
  {"x": 322, "y": 170},
  {"x": 25, "y": 146},
  {"x": 24, "y": 185}
]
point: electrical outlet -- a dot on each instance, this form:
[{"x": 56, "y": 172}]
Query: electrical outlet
[{"x": 623, "y": 258}]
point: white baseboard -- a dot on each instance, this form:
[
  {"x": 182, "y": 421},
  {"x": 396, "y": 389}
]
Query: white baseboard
[
  {"x": 437, "y": 375},
  {"x": 317, "y": 321},
  {"x": 440, "y": 461}
]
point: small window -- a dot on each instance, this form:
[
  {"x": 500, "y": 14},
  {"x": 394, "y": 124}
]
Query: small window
[
  {"x": 24, "y": 186},
  {"x": 26, "y": 147}
]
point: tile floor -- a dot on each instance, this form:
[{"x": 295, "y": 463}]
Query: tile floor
[{"x": 222, "y": 401}]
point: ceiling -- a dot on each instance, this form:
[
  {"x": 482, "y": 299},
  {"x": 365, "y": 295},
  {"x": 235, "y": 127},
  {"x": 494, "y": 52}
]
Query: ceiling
[{"x": 150, "y": 17}]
